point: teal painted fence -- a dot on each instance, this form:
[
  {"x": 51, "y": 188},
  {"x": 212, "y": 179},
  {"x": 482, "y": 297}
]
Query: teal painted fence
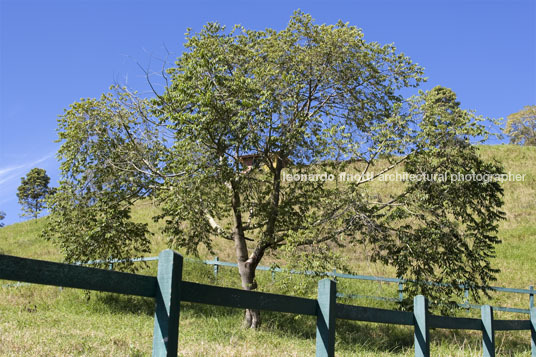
[
  {"x": 168, "y": 289},
  {"x": 400, "y": 281},
  {"x": 216, "y": 263}
]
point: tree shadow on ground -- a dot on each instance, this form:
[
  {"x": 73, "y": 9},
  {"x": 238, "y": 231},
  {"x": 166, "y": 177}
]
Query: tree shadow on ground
[
  {"x": 349, "y": 334},
  {"x": 381, "y": 338},
  {"x": 385, "y": 338},
  {"x": 376, "y": 337}
]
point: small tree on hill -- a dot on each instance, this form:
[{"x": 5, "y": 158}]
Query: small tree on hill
[
  {"x": 521, "y": 126},
  {"x": 2, "y": 216},
  {"x": 32, "y": 192}
]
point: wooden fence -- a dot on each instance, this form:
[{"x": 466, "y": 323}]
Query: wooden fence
[{"x": 168, "y": 289}]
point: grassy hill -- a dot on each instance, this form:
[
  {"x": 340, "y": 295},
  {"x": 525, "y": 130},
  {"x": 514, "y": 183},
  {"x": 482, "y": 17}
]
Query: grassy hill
[{"x": 37, "y": 320}]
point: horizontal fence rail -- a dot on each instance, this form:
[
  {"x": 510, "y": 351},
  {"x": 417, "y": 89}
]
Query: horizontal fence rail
[
  {"x": 74, "y": 276},
  {"x": 215, "y": 295},
  {"x": 168, "y": 290},
  {"x": 530, "y": 291},
  {"x": 370, "y": 314},
  {"x": 216, "y": 263}
]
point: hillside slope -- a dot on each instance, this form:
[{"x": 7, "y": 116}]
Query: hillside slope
[
  {"x": 77, "y": 323},
  {"x": 515, "y": 256}
]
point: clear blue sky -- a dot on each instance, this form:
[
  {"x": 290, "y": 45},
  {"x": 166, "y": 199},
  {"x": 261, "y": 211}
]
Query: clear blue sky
[{"x": 53, "y": 53}]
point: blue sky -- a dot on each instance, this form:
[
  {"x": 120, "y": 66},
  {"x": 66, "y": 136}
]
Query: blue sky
[{"x": 53, "y": 53}]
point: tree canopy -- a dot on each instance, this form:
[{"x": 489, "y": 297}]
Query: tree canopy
[
  {"x": 521, "y": 126},
  {"x": 33, "y": 191},
  {"x": 2, "y": 216},
  {"x": 306, "y": 100}
]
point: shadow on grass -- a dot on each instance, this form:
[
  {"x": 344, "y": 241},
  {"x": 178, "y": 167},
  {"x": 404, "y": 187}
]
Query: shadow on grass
[
  {"x": 121, "y": 304},
  {"x": 194, "y": 310},
  {"x": 385, "y": 338},
  {"x": 350, "y": 335}
]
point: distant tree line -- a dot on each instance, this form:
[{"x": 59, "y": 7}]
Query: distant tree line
[{"x": 521, "y": 126}]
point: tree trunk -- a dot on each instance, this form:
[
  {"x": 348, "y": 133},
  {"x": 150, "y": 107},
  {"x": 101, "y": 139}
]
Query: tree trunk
[
  {"x": 246, "y": 265},
  {"x": 252, "y": 318}
]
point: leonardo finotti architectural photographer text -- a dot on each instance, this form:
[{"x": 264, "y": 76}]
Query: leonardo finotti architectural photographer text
[{"x": 404, "y": 176}]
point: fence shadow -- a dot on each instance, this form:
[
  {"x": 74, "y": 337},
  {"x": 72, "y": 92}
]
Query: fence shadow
[{"x": 121, "y": 304}]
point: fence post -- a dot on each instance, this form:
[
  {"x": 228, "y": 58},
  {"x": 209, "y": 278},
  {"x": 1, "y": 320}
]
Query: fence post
[
  {"x": 488, "y": 331},
  {"x": 466, "y": 296},
  {"x": 531, "y": 297},
  {"x": 533, "y": 330},
  {"x": 166, "y": 319},
  {"x": 401, "y": 291},
  {"x": 216, "y": 267},
  {"x": 325, "y": 318},
  {"x": 422, "y": 334}
]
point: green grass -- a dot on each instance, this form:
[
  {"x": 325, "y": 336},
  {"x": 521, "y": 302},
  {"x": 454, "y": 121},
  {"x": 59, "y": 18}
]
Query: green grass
[{"x": 43, "y": 321}]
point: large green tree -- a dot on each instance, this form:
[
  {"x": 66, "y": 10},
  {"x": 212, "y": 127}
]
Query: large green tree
[
  {"x": 307, "y": 100},
  {"x": 521, "y": 126},
  {"x": 33, "y": 191}
]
